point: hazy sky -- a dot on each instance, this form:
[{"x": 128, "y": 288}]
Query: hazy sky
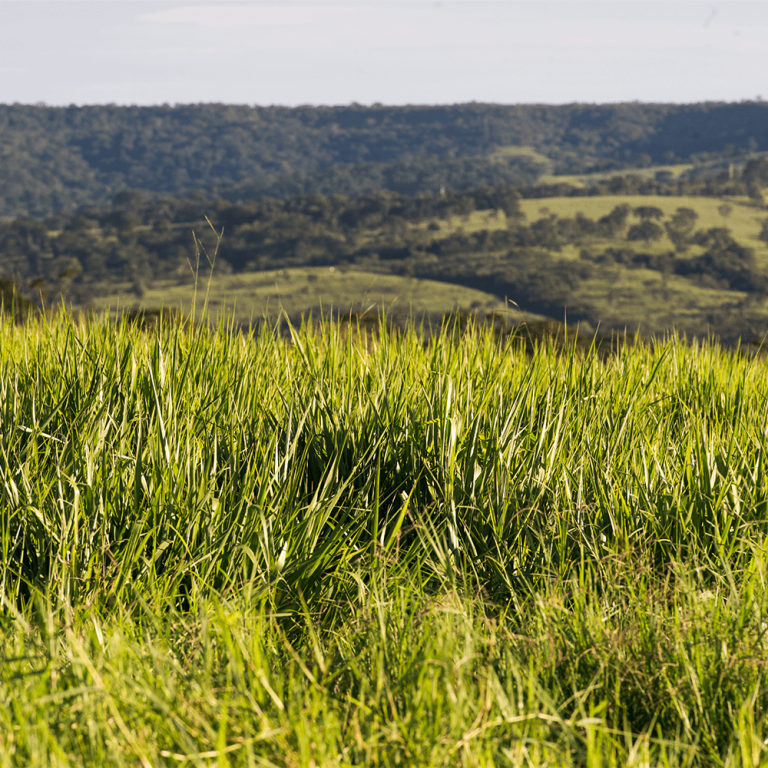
[{"x": 389, "y": 51}]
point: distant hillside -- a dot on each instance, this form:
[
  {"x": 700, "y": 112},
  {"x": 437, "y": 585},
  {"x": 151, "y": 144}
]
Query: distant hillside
[
  {"x": 419, "y": 176},
  {"x": 625, "y": 252},
  {"x": 62, "y": 158}
]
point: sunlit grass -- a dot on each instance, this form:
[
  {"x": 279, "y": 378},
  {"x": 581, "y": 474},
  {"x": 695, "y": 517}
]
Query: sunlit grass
[
  {"x": 221, "y": 550},
  {"x": 252, "y": 296}
]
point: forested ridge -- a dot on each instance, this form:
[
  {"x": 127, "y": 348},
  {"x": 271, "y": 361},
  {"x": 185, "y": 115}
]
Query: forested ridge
[{"x": 64, "y": 158}]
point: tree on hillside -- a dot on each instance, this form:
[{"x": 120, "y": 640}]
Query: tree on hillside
[
  {"x": 726, "y": 262},
  {"x": 719, "y": 238},
  {"x": 648, "y": 212},
  {"x": 684, "y": 219},
  {"x": 755, "y": 176},
  {"x": 756, "y": 172},
  {"x": 724, "y": 210},
  {"x": 646, "y": 230},
  {"x": 680, "y": 226},
  {"x": 614, "y": 222}
]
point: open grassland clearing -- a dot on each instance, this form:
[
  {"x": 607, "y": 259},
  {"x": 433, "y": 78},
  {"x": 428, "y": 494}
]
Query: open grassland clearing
[
  {"x": 252, "y": 296},
  {"x": 742, "y": 219},
  {"x": 667, "y": 172},
  {"x": 505, "y": 153},
  {"x": 675, "y": 171},
  {"x": 475, "y": 221},
  {"x": 226, "y": 551}
]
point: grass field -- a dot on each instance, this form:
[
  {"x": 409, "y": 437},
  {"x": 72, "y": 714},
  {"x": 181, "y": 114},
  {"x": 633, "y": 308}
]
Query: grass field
[
  {"x": 225, "y": 551},
  {"x": 249, "y": 297},
  {"x": 501, "y": 154}
]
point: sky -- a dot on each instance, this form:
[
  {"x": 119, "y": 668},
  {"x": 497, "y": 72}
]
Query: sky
[{"x": 294, "y": 52}]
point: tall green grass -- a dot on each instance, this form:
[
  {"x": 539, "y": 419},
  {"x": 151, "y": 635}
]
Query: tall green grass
[{"x": 226, "y": 550}]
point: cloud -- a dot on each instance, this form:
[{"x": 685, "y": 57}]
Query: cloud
[{"x": 238, "y": 16}]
